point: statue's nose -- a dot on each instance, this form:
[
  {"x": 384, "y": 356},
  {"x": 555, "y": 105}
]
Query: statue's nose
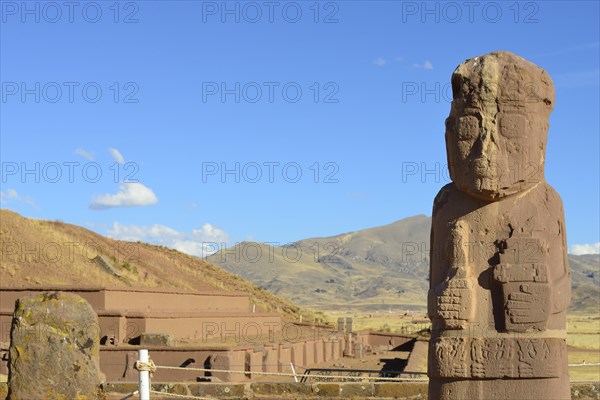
[
  {"x": 484, "y": 154},
  {"x": 485, "y": 144}
]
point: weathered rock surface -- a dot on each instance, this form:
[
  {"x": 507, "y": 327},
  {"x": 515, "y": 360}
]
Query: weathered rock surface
[
  {"x": 156, "y": 339},
  {"x": 499, "y": 275},
  {"x": 54, "y": 348}
]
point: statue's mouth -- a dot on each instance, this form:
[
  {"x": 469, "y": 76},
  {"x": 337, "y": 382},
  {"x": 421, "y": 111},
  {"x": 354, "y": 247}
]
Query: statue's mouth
[{"x": 484, "y": 168}]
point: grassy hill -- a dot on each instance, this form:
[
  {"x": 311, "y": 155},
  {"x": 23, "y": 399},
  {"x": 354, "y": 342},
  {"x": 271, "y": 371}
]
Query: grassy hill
[
  {"x": 37, "y": 253},
  {"x": 585, "y": 275},
  {"x": 368, "y": 270}
]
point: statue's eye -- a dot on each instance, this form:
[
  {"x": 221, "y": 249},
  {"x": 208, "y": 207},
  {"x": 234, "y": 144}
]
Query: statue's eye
[
  {"x": 512, "y": 125},
  {"x": 468, "y": 128}
]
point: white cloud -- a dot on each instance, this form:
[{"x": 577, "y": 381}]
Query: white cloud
[
  {"x": 588, "y": 248},
  {"x": 116, "y": 155},
  {"x": 11, "y": 196},
  {"x": 130, "y": 194},
  {"x": 210, "y": 233},
  {"x": 426, "y": 65},
  {"x": 379, "y": 61},
  {"x": 85, "y": 154},
  {"x": 201, "y": 242},
  {"x": 400, "y": 59},
  {"x": 156, "y": 233},
  {"x": 198, "y": 249}
]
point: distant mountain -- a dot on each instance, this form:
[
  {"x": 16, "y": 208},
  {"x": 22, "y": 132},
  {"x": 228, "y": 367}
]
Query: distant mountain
[
  {"x": 366, "y": 268},
  {"x": 585, "y": 275},
  {"x": 37, "y": 253},
  {"x": 370, "y": 269}
]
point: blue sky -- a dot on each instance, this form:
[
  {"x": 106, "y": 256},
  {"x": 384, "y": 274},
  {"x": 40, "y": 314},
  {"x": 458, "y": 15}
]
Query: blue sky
[{"x": 161, "y": 97}]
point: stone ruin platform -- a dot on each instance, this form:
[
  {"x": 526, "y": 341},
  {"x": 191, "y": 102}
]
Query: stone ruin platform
[
  {"x": 208, "y": 329},
  {"x": 203, "y": 320},
  {"x": 125, "y": 313}
]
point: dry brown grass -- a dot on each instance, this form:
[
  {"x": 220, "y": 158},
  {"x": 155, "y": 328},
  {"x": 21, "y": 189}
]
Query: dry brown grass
[{"x": 38, "y": 253}]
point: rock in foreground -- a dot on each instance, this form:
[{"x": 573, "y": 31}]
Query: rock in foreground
[{"x": 54, "y": 348}]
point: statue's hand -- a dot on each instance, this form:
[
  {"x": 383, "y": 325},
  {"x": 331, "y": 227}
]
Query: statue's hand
[
  {"x": 528, "y": 303},
  {"x": 452, "y": 301},
  {"x": 527, "y": 295},
  {"x": 448, "y": 303}
]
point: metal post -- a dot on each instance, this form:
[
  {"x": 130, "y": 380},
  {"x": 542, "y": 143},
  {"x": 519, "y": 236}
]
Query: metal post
[{"x": 144, "y": 376}]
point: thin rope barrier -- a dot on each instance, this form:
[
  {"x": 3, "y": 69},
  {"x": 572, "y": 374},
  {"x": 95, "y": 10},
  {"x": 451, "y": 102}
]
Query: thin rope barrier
[
  {"x": 145, "y": 366},
  {"x": 348, "y": 377},
  {"x": 180, "y": 396},
  {"x": 584, "y": 365}
]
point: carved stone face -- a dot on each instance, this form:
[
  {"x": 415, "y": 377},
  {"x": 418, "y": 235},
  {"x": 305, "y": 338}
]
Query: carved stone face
[{"x": 497, "y": 128}]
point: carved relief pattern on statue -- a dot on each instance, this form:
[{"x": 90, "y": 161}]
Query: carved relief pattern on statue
[{"x": 497, "y": 357}]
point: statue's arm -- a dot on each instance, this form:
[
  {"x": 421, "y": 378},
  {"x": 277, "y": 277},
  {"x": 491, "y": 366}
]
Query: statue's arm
[
  {"x": 450, "y": 297},
  {"x": 537, "y": 283}
]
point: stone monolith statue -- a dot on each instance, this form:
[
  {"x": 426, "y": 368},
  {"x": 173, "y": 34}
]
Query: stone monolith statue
[{"x": 499, "y": 278}]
